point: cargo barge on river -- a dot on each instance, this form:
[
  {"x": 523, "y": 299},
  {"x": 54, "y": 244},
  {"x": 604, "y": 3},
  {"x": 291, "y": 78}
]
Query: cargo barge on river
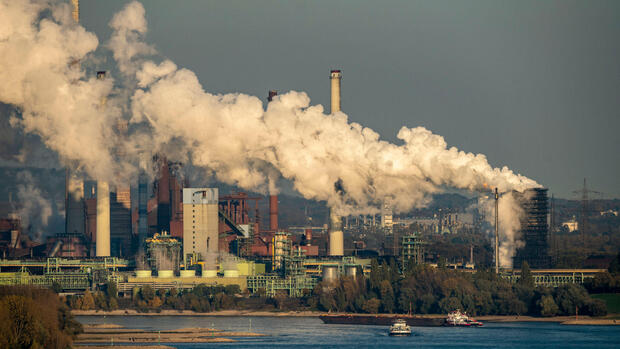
[{"x": 382, "y": 319}]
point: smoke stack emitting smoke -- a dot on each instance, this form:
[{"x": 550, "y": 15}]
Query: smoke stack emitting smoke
[{"x": 229, "y": 136}]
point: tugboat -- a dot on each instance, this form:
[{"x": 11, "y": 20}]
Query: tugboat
[
  {"x": 456, "y": 318},
  {"x": 400, "y": 328}
]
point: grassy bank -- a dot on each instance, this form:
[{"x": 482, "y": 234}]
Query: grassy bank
[{"x": 611, "y": 299}]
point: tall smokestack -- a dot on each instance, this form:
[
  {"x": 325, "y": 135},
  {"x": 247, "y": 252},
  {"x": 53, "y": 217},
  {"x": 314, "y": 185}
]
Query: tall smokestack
[
  {"x": 76, "y": 10},
  {"x": 272, "y": 93},
  {"x": 273, "y": 212},
  {"x": 336, "y": 238},
  {"x": 103, "y": 208},
  {"x": 142, "y": 210},
  {"x": 103, "y": 219},
  {"x": 496, "y": 232},
  {"x": 335, "y": 77},
  {"x": 273, "y": 199}
]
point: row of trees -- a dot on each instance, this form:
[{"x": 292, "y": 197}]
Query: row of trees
[
  {"x": 32, "y": 317},
  {"x": 421, "y": 289},
  {"x": 427, "y": 290},
  {"x": 201, "y": 298}
]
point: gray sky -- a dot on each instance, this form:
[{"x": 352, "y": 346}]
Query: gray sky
[{"x": 534, "y": 85}]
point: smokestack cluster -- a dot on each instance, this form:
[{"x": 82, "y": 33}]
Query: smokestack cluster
[{"x": 232, "y": 137}]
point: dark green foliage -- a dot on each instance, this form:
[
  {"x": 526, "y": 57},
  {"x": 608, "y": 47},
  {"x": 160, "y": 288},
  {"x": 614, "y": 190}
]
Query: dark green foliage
[
  {"x": 614, "y": 266},
  {"x": 526, "y": 279},
  {"x": 425, "y": 290},
  {"x": 547, "y": 306}
]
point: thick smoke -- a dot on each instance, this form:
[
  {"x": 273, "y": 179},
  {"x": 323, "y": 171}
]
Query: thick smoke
[
  {"x": 34, "y": 209},
  {"x": 229, "y": 136},
  {"x": 509, "y": 216}
]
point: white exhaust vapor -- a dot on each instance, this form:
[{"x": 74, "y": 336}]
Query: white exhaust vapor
[{"x": 230, "y": 135}]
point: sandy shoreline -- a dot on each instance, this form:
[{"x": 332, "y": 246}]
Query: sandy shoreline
[
  {"x": 568, "y": 320},
  {"x": 168, "y": 312},
  {"x": 105, "y": 334}
]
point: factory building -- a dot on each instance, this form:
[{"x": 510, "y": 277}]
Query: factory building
[
  {"x": 200, "y": 227},
  {"x": 534, "y": 229}
]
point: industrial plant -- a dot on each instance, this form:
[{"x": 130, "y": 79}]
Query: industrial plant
[
  {"x": 178, "y": 236},
  {"x": 166, "y": 234}
]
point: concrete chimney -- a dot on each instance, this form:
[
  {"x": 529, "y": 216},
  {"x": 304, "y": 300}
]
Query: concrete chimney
[
  {"x": 103, "y": 219},
  {"x": 272, "y": 93},
  {"x": 273, "y": 212},
  {"x": 308, "y": 233},
  {"x": 103, "y": 207},
  {"x": 335, "y": 77},
  {"x": 76, "y": 10},
  {"x": 336, "y": 239}
]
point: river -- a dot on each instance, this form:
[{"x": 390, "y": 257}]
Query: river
[{"x": 310, "y": 332}]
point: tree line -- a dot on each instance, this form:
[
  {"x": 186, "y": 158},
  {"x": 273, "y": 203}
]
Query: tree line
[
  {"x": 426, "y": 290},
  {"x": 32, "y": 317},
  {"x": 421, "y": 289}
]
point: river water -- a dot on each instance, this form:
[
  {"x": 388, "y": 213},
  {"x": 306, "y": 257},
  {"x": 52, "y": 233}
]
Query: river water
[{"x": 309, "y": 332}]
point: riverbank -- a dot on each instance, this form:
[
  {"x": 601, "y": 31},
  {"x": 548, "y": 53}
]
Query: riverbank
[
  {"x": 568, "y": 320},
  {"x": 168, "y": 312},
  {"x": 104, "y": 333}
]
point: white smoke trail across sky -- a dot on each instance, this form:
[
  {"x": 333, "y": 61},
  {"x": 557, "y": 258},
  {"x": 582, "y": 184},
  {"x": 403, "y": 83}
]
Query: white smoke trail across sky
[{"x": 230, "y": 136}]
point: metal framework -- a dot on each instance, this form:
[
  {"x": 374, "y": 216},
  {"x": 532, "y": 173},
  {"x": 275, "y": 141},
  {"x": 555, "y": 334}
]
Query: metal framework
[
  {"x": 68, "y": 274},
  {"x": 555, "y": 277},
  {"x": 294, "y": 284},
  {"x": 412, "y": 249}
]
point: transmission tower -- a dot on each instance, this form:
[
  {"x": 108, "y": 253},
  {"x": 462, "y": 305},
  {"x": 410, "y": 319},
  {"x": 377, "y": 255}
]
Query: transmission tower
[{"x": 584, "y": 193}]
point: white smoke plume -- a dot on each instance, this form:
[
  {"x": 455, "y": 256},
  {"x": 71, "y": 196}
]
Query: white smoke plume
[
  {"x": 509, "y": 217},
  {"x": 34, "y": 209},
  {"x": 230, "y": 136}
]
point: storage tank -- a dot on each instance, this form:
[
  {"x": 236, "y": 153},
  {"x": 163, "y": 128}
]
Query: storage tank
[
  {"x": 231, "y": 273},
  {"x": 330, "y": 272},
  {"x": 165, "y": 273},
  {"x": 143, "y": 273},
  {"x": 350, "y": 270},
  {"x": 209, "y": 273},
  {"x": 188, "y": 273}
]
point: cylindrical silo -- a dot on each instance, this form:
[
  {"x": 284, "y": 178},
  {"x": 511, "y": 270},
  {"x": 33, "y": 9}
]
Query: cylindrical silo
[{"x": 330, "y": 272}]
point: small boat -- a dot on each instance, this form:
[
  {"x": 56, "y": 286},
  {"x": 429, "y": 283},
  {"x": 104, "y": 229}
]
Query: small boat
[
  {"x": 456, "y": 318},
  {"x": 400, "y": 328}
]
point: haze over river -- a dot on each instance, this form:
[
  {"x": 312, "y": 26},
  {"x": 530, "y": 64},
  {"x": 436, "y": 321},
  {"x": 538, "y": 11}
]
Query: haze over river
[{"x": 310, "y": 332}]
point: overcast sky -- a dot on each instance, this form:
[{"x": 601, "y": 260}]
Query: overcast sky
[{"x": 534, "y": 85}]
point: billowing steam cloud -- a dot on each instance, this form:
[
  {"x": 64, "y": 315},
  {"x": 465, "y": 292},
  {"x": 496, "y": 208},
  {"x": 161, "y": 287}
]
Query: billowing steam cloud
[
  {"x": 509, "y": 214},
  {"x": 34, "y": 209},
  {"x": 230, "y": 136}
]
